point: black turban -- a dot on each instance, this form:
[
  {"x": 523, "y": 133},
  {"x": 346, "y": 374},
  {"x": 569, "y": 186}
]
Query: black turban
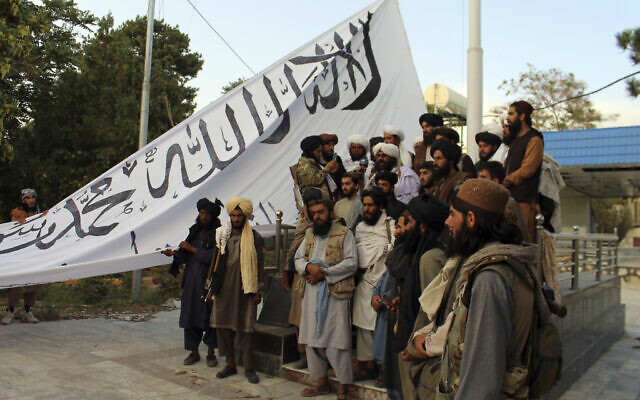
[
  {"x": 433, "y": 120},
  {"x": 451, "y": 152},
  {"x": 387, "y": 176},
  {"x": 488, "y": 138},
  {"x": 211, "y": 208},
  {"x": 310, "y": 143},
  {"x": 428, "y": 210}
]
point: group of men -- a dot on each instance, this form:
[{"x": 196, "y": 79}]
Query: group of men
[
  {"x": 371, "y": 256},
  {"x": 411, "y": 251}
]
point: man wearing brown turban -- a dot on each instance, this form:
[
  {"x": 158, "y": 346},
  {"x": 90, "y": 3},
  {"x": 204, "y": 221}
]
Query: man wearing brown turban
[{"x": 241, "y": 268}]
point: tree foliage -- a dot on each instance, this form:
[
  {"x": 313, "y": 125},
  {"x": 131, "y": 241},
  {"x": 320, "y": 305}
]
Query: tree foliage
[
  {"x": 37, "y": 43},
  {"x": 612, "y": 213},
  {"x": 90, "y": 121},
  {"x": 231, "y": 85},
  {"x": 543, "y": 88},
  {"x": 629, "y": 40}
]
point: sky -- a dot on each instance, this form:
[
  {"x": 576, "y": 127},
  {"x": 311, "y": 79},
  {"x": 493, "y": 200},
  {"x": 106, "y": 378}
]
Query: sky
[{"x": 576, "y": 36}]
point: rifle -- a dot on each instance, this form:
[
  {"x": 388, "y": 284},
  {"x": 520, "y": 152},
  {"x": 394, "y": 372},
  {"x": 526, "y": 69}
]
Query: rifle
[{"x": 208, "y": 287}]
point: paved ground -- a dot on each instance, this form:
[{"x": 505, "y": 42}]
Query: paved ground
[
  {"x": 616, "y": 375},
  {"x": 110, "y": 359}
]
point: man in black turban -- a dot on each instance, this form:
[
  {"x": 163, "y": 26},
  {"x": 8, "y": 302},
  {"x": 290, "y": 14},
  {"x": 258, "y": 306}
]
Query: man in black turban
[
  {"x": 446, "y": 156},
  {"x": 196, "y": 252},
  {"x": 386, "y": 181}
]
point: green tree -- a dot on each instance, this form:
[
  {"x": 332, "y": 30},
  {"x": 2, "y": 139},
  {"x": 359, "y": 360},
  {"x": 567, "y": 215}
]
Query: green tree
[
  {"x": 231, "y": 85},
  {"x": 543, "y": 88},
  {"x": 629, "y": 40},
  {"x": 37, "y": 43},
  {"x": 91, "y": 120},
  {"x": 612, "y": 213}
]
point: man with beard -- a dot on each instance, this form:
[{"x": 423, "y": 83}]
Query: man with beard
[
  {"x": 197, "y": 252},
  {"x": 465, "y": 164},
  {"x": 421, "y": 254},
  {"x": 408, "y": 185},
  {"x": 327, "y": 259},
  {"x": 427, "y": 180},
  {"x": 241, "y": 267},
  {"x": 386, "y": 181},
  {"x": 428, "y": 122},
  {"x": 524, "y": 162},
  {"x": 373, "y": 241},
  {"x": 28, "y": 208},
  {"x": 393, "y": 135},
  {"x": 290, "y": 277},
  {"x": 490, "y": 147},
  {"x": 487, "y": 338},
  {"x": 309, "y": 171},
  {"x": 349, "y": 208},
  {"x": 358, "y": 147},
  {"x": 446, "y": 156},
  {"x": 334, "y": 178}
]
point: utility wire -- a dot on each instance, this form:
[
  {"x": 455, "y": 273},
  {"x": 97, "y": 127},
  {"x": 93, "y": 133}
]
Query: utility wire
[
  {"x": 220, "y": 36},
  {"x": 587, "y": 94}
]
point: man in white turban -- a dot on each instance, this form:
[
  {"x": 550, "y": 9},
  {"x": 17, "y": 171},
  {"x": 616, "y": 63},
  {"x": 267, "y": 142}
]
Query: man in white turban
[
  {"x": 393, "y": 135},
  {"x": 358, "y": 159},
  {"x": 240, "y": 267},
  {"x": 408, "y": 185}
]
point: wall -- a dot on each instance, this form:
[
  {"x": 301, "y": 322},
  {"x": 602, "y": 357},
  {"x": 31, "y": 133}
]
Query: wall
[{"x": 575, "y": 210}]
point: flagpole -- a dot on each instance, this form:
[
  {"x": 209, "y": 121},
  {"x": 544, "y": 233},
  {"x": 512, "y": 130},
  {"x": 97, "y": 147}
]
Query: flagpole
[
  {"x": 474, "y": 79},
  {"x": 144, "y": 116}
]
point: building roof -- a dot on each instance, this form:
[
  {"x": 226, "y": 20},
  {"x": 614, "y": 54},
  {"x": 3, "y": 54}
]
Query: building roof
[{"x": 598, "y": 162}]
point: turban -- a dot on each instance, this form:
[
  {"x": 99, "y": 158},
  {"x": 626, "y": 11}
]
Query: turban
[
  {"x": 449, "y": 133},
  {"x": 417, "y": 140},
  {"x": 248, "y": 254},
  {"x": 451, "y": 152},
  {"x": 210, "y": 207},
  {"x": 315, "y": 194},
  {"x": 387, "y": 176},
  {"x": 484, "y": 194},
  {"x": 430, "y": 211},
  {"x": 329, "y": 137},
  {"x": 433, "y": 120},
  {"x": 387, "y": 148},
  {"x": 491, "y": 134},
  {"x": 310, "y": 143},
  {"x": 393, "y": 130},
  {"x": 358, "y": 139},
  {"x": 27, "y": 192}
]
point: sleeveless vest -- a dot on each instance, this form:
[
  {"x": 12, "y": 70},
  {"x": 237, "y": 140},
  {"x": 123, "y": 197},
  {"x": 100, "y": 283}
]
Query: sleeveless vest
[
  {"x": 515, "y": 384},
  {"x": 333, "y": 255},
  {"x": 527, "y": 191}
]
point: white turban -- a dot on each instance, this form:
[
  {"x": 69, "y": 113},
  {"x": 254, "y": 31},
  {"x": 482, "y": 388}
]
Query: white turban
[
  {"x": 417, "y": 139},
  {"x": 358, "y": 139},
  {"x": 393, "y": 130},
  {"x": 387, "y": 148},
  {"x": 494, "y": 128}
]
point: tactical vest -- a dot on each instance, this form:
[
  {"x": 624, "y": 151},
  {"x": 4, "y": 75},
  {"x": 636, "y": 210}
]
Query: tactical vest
[
  {"x": 515, "y": 384},
  {"x": 527, "y": 191},
  {"x": 333, "y": 255}
]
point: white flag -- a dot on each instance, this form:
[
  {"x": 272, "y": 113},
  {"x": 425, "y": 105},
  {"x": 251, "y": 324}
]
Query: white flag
[{"x": 353, "y": 79}]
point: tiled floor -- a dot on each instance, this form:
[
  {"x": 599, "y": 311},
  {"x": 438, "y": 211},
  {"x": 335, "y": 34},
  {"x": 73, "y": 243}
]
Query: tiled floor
[
  {"x": 110, "y": 359},
  {"x": 616, "y": 375}
]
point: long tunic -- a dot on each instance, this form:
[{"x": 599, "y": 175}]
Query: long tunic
[
  {"x": 336, "y": 332},
  {"x": 232, "y": 309},
  {"x": 194, "y": 312}
]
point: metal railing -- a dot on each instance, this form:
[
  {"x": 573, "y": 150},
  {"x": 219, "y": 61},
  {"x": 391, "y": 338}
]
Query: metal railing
[{"x": 578, "y": 254}]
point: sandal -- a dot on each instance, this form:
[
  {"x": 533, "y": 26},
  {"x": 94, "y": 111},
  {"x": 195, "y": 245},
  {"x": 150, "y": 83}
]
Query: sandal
[{"x": 315, "y": 391}]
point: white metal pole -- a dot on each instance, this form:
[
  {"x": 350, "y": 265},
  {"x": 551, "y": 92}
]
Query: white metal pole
[
  {"x": 144, "y": 116},
  {"x": 474, "y": 79}
]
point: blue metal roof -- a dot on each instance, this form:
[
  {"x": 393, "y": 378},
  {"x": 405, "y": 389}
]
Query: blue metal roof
[{"x": 606, "y": 146}]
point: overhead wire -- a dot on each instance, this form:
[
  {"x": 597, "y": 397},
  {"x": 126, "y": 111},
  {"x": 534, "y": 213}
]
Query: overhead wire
[
  {"x": 220, "y": 36},
  {"x": 588, "y": 94}
]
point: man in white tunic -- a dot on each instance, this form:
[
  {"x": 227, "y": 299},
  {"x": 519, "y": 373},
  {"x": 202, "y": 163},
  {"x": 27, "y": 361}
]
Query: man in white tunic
[
  {"x": 327, "y": 259},
  {"x": 373, "y": 242}
]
